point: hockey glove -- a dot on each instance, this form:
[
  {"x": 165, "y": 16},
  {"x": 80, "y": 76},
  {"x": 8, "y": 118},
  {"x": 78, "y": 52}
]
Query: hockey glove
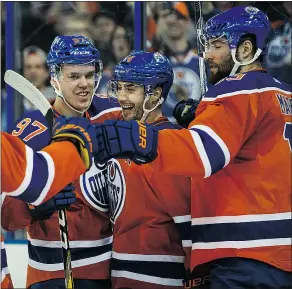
[
  {"x": 184, "y": 111},
  {"x": 134, "y": 140},
  {"x": 62, "y": 200},
  {"x": 80, "y": 132}
]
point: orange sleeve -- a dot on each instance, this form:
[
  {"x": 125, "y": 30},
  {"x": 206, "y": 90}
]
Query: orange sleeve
[
  {"x": 35, "y": 177},
  {"x": 212, "y": 140}
]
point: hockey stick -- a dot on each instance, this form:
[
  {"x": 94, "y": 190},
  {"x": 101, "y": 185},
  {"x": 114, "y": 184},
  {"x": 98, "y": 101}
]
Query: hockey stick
[
  {"x": 197, "y": 6},
  {"x": 30, "y": 92}
]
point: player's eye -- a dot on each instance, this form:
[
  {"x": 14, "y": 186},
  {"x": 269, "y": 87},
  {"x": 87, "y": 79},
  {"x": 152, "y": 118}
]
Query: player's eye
[
  {"x": 130, "y": 89},
  {"x": 74, "y": 76},
  {"x": 90, "y": 75}
]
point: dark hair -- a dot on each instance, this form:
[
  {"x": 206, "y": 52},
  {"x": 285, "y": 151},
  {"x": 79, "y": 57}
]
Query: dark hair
[{"x": 252, "y": 38}]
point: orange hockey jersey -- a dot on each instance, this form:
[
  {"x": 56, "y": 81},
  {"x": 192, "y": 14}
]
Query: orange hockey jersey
[
  {"x": 90, "y": 234},
  {"x": 151, "y": 217},
  {"x": 238, "y": 153},
  {"x": 34, "y": 177},
  {"x": 20, "y": 168}
]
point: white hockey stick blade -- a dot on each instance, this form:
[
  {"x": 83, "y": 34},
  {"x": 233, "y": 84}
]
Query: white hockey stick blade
[{"x": 30, "y": 92}]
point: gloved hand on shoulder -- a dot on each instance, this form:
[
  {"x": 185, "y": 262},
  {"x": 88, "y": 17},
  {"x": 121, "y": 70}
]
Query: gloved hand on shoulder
[
  {"x": 133, "y": 139},
  {"x": 80, "y": 132},
  {"x": 184, "y": 111}
]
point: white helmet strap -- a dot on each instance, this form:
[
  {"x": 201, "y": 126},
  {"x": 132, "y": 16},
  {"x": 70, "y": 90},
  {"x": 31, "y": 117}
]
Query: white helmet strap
[
  {"x": 237, "y": 63},
  {"x": 147, "y": 111}
]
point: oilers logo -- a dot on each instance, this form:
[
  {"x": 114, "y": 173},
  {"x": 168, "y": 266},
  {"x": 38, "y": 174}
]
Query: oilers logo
[
  {"x": 116, "y": 188},
  {"x": 251, "y": 10},
  {"x": 94, "y": 187}
]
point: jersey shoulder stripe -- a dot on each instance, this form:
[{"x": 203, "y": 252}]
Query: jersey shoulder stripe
[
  {"x": 101, "y": 105},
  {"x": 246, "y": 83}
]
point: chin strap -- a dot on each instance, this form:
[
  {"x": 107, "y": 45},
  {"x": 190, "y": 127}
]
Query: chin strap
[
  {"x": 237, "y": 64},
  {"x": 147, "y": 111}
]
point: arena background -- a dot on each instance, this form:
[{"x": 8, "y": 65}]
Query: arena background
[{"x": 28, "y": 29}]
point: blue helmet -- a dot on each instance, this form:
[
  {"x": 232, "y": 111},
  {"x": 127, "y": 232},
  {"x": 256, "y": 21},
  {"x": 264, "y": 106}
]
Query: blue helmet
[
  {"x": 73, "y": 49},
  {"x": 146, "y": 68},
  {"x": 238, "y": 21}
]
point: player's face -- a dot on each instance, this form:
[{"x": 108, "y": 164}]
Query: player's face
[
  {"x": 131, "y": 98},
  {"x": 77, "y": 84},
  {"x": 219, "y": 58}
]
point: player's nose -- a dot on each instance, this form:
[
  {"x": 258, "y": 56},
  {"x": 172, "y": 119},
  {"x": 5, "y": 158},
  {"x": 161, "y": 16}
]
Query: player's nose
[
  {"x": 208, "y": 55},
  {"x": 122, "y": 95},
  {"x": 83, "y": 82}
]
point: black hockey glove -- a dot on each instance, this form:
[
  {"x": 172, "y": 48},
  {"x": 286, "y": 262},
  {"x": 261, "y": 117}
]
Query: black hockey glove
[
  {"x": 62, "y": 200},
  {"x": 184, "y": 111}
]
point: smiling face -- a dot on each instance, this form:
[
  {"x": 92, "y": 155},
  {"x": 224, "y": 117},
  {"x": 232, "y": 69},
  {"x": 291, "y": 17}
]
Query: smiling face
[
  {"x": 131, "y": 97},
  {"x": 219, "y": 58},
  {"x": 77, "y": 84}
]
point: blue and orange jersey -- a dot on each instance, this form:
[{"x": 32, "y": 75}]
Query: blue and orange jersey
[
  {"x": 151, "y": 218},
  {"x": 238, "y": 152},
  {"x": 34, "y": 177},
  {"x": 89, "y": 229}
]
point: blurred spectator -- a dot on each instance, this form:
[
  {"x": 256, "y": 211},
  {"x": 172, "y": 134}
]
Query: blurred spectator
[
  {"x": 120, "y": 43},
  {"x": 172, "y": 40},
  {"x": 74, "y": 24},
  {"x": 103, "y": 25},
  {"x": 223, "y": 5},
  {"x": 120, "y": 47},
  {"x": 35, "y": 70},
  {"x": 64, "y": 8},
  {"x": 278, "y": 58}
]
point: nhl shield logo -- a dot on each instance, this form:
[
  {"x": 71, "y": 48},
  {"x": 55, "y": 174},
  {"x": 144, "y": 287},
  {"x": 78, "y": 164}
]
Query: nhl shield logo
[{"x": 116, "y": 188}]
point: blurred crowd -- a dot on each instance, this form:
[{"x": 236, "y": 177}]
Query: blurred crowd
[{"x": 171, "y": 30}]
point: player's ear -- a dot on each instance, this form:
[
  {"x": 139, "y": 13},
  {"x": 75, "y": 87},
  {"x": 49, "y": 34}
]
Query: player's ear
[
  {"x": 245, "y": 50},
  {"x": 155, "y": 97},
  {"x": 157, "y": 93}
]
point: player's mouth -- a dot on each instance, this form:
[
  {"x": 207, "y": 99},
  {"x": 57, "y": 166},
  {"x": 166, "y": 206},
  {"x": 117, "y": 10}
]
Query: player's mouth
[
  {"x": 127, "y": 107},
  {"x": 213, "y": 68},
  {"x": 83, "y": 94}
]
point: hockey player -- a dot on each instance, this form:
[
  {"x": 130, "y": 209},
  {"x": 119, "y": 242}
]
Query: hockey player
[
  {"x": 21, "y": 165},
  {"x": 237, "y": 151},
  {"x": 76, "y": 69},
  {"x": 149, "y": 211}
]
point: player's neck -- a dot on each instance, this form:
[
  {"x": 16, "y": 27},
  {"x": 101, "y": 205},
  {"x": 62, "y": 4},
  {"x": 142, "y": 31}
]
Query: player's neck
[
  {"x": 154, "y": 115},
  {"x": 64, "y": 109},
  {"x": 252, "y": 66}
]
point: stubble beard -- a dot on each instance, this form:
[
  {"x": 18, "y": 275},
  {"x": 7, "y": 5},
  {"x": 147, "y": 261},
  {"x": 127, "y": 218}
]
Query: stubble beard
[{"x": 223, "y": 69}]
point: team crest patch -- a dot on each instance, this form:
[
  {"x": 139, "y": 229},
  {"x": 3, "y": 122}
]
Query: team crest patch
[
  {"x": 116, "y": 188},
  {"x": 251, "y": 10},
  {"x": 159, "y": 58},
  {"x": 130, "y": 58},
  {"x": 94, "y": 186}
]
